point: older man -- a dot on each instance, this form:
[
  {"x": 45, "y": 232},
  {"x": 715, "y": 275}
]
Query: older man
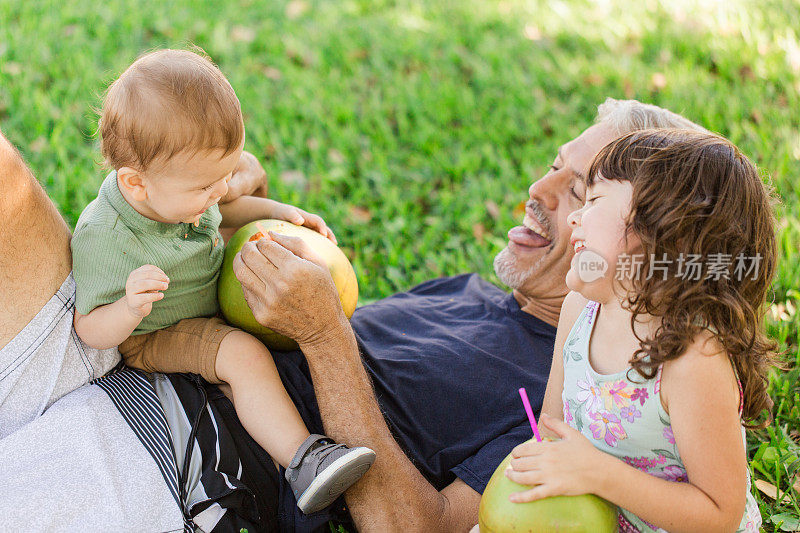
[{"x": 426, "y": 378}]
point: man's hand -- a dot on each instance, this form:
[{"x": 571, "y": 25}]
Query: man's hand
[
  {"x": 288, "y": 287},
  {"x": 248, "y": 179},
  {"x": 143, "y": 288}
]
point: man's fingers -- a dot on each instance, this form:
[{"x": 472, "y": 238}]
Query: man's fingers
[
  {"x": 254, "y": 257},
  {"x": 244, "y": 273},
  {"x": 290, "y": 246}
]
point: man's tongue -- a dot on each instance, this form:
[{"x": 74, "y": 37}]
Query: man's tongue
[{"x": 524, "y": 237}]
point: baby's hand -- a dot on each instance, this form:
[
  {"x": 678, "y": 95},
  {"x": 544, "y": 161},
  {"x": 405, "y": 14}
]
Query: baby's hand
[
  {"x": 142, "y": 289},
  {"x": 295, "y": 215}
]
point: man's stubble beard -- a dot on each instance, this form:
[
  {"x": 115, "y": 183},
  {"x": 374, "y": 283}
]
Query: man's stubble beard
[{"x": 506, "y": 268}]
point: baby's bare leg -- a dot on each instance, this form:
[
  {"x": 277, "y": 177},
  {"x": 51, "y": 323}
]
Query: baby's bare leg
[{"x": 261, "y": 402}]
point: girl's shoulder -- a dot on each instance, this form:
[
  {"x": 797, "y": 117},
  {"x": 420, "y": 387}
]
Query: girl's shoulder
[
  {"x": 703, "y": 367},
  {"x": 573, "y": 305}
]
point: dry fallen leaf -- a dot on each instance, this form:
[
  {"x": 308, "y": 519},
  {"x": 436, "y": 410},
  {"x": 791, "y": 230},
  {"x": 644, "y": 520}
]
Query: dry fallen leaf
[
  {"x": 38, "y": 145},
  {"x": 272, "y": 73},
  {"x": 593, "y": 79},
  {"x": 335, "y": 156},
  {"x": 770, "y": 491},
  {"x": 532, "y": 33},
  {"x": 519, "y": 210},
  {"x": 360, "y": 214},
  {"x": 478, "y": 231},
  {"x": 12, "y": 69},
  {"x": 294, "y": 177},
  {"x": 243, "y": 34},
  {"x": 296, "y": 8},
  {"x": 658, "y": 81},
  {"x": 492, "y": 209}
]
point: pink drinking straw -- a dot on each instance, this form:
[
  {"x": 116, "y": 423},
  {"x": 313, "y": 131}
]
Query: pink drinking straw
[{"x": 529, "y": 411}]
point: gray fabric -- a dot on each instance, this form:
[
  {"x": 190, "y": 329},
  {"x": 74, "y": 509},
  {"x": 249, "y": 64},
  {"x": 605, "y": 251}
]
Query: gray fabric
[
  {"x": 80, "y": 467},
  {"x": 72, "y": 465},
  {"x": 45, "y": 361}
]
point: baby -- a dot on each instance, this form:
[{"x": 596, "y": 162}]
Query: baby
[{"x": 147, "y": 254}]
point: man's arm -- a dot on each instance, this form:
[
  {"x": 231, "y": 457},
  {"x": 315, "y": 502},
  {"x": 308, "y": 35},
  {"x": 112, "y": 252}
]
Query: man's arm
[
  {"x": 35, "y": 258},
  {"x": 294, "y": 295},
  {"x": 393, "y": 495}
]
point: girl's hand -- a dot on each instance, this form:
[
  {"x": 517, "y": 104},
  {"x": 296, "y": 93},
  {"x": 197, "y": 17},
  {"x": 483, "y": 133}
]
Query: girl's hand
[
  {"x": 295, "y": 215},
  {"x": 566, "y": 467},
  {"x": 142, "y": 289}
]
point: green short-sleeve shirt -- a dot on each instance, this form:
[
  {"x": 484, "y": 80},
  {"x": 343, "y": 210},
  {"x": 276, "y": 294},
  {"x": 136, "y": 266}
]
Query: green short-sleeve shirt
[{"x": 112, "y": 239}]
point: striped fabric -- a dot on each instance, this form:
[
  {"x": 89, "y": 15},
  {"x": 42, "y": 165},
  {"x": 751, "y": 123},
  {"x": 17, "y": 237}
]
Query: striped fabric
[
  {"x": 169, "y": 413},
  {"x": 134, "y": 397}
]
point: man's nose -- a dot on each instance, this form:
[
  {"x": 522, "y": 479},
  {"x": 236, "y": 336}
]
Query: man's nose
[{"x": 544, "y": 191}]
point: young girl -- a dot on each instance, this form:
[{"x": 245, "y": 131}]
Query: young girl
[{"x": 659, "y": 360}]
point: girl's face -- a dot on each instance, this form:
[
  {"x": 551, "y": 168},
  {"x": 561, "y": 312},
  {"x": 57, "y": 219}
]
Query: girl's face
[{"x": 598, "y": 238}]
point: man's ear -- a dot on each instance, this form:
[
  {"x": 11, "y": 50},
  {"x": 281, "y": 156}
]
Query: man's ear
[{"x": 133, "y": 182}]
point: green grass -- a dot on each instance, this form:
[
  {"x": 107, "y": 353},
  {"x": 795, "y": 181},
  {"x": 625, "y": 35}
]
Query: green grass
[{"x": 415, "y": 128}]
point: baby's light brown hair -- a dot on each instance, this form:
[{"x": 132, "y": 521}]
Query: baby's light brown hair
[{"x": 166, "y": 102}]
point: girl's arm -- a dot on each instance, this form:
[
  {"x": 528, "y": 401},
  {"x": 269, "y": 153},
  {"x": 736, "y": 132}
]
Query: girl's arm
[
  {"x": 552, "y": 404},
  {"x": 246, "y": 209},
  {"x": 108, "y": 325},
  {"x": 701, "y": 393}
]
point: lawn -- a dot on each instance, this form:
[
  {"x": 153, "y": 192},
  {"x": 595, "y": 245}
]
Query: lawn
[{"x": 415, "y": 128}]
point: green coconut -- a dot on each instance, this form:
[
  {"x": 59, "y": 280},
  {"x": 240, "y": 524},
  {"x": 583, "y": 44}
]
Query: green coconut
[
  {"x": 231, "y": 297},
  {"x": 568, "y": 514}
]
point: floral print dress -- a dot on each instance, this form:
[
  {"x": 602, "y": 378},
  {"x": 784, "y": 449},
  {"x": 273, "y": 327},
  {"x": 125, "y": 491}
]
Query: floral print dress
[{"x": 621, "y": 414}]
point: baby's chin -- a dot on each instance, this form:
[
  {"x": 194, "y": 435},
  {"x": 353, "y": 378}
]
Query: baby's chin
[{"x": 192, "y": 219}]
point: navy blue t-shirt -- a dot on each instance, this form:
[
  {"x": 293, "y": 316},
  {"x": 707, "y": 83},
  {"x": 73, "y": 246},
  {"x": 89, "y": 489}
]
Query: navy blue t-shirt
[{"x": 446, "y": 359}]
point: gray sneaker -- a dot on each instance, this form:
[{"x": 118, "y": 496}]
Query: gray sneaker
[{"x": 321, "y": 470}]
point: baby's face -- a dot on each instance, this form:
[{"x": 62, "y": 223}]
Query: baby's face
[{"x": 183, "y": 187}]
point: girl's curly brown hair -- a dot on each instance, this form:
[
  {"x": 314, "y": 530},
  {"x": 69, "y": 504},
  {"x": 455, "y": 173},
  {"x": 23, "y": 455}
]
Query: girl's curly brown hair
[{"x": 696, "y": 195}]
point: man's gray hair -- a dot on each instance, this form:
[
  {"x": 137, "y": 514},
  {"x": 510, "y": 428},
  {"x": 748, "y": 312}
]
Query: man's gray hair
[{"x": 626, "y": 116}]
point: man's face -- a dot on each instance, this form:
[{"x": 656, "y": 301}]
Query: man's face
[{"x": 538, "y": 254}]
